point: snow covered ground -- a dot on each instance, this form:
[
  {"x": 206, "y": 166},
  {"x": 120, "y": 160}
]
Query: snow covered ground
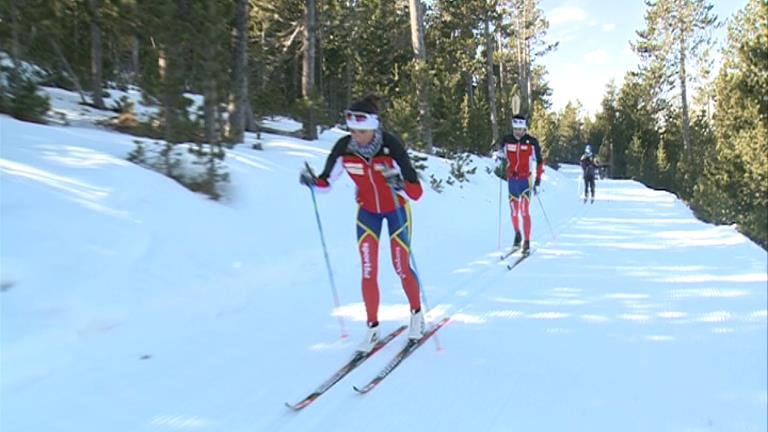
[{"x": 131, "y": 304}]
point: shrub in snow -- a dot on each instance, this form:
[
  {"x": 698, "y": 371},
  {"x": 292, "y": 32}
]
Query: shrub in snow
[
  {"x": 460, "y": 167},
  {"x": 199, "y": 169},
  {"x": 418, "y": 161},
  {"x": 20, "y": 99},
  {"x": 436, "y": 183}
]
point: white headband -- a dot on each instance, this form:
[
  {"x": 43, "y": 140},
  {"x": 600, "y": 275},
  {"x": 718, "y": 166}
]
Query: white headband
[
  {"x": 518, "y": 123},
  {"x": 361, "y": 120}
]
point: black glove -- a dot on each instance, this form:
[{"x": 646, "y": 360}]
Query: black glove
[
  {"x": 536, "y": 185},
  {"x": 393, "y": 179},
  {"x": 307, "y": 177}
]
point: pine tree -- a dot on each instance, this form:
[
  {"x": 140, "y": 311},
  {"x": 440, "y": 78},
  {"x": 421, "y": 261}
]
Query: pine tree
[
  {"x": 239, "y": 101},
  {"x": 421, "y": 71},
  {"x": 96, "y": 53},
  {"x": 544, "y": 127},
  {"x": 309, "y": 51},
  {"x": 606, "y": 121},
  {"x": 490, "y": 75},
  {"x": 570, "y": 142},
  {"x": 734, "y": 187},
  {"x": 527, "y": 27},
  {"x": 460, "y": 112},
  {"x": 677, "y": 37}
]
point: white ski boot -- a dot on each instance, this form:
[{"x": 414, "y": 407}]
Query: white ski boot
[
  {"x": 417, "y": 326},
  {"x": 371, "y": 337}
]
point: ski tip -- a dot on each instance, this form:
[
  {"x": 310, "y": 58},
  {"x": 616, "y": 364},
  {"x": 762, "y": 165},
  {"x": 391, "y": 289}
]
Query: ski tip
[
  {"x": 301, "y": 405},
  {"x": 439, "y": 324},
  {"x": 358, "y": 390}
]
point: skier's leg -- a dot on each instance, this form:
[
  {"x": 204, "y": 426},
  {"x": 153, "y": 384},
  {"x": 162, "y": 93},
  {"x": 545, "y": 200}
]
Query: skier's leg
[
  {"x": 400, "y": 229},
  {"x": 525, "y": 205},
  {"x": 368, "y": 230},
  {"x": 514, "y": 205}
]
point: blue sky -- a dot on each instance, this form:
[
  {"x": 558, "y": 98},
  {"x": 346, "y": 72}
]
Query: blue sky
[{"x": 594, "y": 38}]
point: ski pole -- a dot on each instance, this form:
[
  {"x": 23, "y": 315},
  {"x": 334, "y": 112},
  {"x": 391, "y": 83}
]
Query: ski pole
[
  {"x": 545, "y": 216},
  {"x": 498, "y": 242},
  {"x": 579, "y": 182},
  {"x": 336, "y": 302}
]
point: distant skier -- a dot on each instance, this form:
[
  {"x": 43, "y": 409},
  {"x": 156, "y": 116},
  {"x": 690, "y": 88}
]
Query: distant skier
[
  {"x": 519, "y": 149},
  {"x": 378, "y": 164},
  {"x": 589, "y": 166}
]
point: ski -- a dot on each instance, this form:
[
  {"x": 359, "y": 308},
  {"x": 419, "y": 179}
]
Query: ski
[
  {"x": 357, "y": 359},
  {"x": 509, "y": 253},
  {"x": 407, "y": 350},
  {"x": 519, "y": 259}
]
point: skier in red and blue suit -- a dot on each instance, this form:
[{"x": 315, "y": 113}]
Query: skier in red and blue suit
[
  {"x": 520, "y": 149},
  {"x": 380, "y": 167}
]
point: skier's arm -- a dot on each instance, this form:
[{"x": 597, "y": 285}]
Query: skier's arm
[
  {"x": 331, "y": 162},
  {"x": 539, "y": 161},
  {"x": 500, "y": 151},
  {"x": 411, "y": 184}
]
